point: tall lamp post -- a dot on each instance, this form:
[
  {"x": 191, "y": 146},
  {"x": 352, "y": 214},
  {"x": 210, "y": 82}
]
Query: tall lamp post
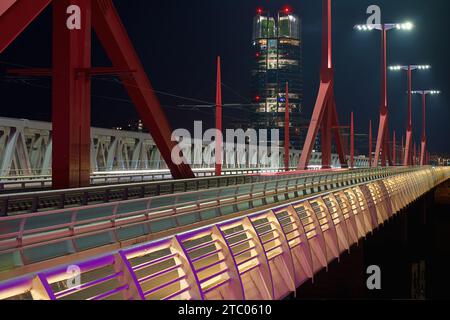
[
  {"x": 407, "y": 161},
  {"x": 423, "y": 150},
  {"x": 383, "y": 132}
]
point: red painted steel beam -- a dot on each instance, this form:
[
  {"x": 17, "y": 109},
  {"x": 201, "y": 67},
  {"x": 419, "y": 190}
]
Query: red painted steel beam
[
  {"x": 380, "y": 148},
  {"x": 352, "y": 141},
  {"x": 16, "y": 16},
  {"x": 423, "y": 160},
  {"x": 324, "y": 115},
  {"x": 315, "y": 123},
  {"x": 47, "y": 72},
  {"x": 112, "y": 34},
  {"x": 5, "y": 5},
  {"x": 219, "y": 139},
  {"x": 407, "y": 161},
  {"x": 287, "y": 122},
  {"x": 71, "y": 98},
  {"x": 394, "y": 150}
]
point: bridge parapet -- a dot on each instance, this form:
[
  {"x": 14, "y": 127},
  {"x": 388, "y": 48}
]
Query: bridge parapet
[{"x": 262, "y": 255}]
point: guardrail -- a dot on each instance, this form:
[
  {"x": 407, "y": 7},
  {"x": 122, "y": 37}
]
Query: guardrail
[
  {"x": 30, "y": 238},
  {"x": 264, "y": 255},
  {"x": 29, "y": 202},
  {"x": 98, "y": 178}
]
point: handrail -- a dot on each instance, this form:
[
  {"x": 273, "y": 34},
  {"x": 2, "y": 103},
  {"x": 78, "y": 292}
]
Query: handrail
[
  {"x": 22, "y": 182},
  {"x": 27, "y": 202}
]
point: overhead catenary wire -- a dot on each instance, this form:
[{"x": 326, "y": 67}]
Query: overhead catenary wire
[{"x": 110, "y": 98}]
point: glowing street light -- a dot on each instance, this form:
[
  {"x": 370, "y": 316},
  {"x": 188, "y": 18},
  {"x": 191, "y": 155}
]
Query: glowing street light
[
  {"x": 387, "y": 26},
  {"x": 413, "y": 67},
  {"x": 423, "y": 151},
  {"x": 409, "y": 69},
  {"x": 383, "y": 132}
]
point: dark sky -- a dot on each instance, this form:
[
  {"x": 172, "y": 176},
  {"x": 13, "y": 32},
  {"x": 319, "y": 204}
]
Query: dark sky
[{"x": 179, "y": 40}]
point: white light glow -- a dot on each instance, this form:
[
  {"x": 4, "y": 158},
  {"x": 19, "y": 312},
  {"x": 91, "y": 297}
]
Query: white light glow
[{"x": 408, "y": 26}]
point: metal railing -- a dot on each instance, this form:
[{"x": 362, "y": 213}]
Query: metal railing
[
  {"x": 28, "y": 202},
  {"x": 12, "y": 183}
]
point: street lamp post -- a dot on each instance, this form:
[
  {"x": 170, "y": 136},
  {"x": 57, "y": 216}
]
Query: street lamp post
[
  {"x": 423, "y": 151},
  {"x": 219, "y": 135},
  {"x": 286, "y": 130},
  {"x": 407, "y": 161},
  {"x": 383, "y": 132}
]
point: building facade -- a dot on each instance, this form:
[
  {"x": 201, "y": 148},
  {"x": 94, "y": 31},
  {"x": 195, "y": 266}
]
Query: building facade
[{"x": 277, "y": 60}]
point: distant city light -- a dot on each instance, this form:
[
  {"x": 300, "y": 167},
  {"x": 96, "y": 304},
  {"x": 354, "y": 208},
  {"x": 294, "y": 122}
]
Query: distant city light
[{"x": 287, "y": 9}]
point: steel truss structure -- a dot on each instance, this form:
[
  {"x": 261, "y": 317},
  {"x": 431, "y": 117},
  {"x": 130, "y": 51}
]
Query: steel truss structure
[
  {"x": 71, "y": 74},
  {"x": 26, "y": 148}
]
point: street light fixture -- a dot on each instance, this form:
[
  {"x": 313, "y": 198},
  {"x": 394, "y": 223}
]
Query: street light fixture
[
  {"x": 388, "y": 26},
  {"x": 423, "y": 151},
  {"x": 407, "y": 161},
  {"x": 383, "y": 132}
]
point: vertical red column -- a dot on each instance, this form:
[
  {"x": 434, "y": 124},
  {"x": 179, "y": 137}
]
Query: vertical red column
[
  {"x": 408, "y": 152},
  {"x": 326, "y": 75},
  {"x": 424, "y": 131},
  {"x": 394, "y": 150},
  {"x": 381, "y": 140},
  {"x": 286, "y": 130},
  {"x": 219, "y": 136},
  {"x": 352, "y": 141},
  {"x": 370, "y": 143},
  {"x": 71, "y": 104},
  {"x": 403, "y": 146}
]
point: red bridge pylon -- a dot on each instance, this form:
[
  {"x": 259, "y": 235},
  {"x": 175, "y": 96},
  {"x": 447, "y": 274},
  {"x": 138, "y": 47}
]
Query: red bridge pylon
[
  {"x": 324, "y": 116},
  {"x": 71, "y": 77}
]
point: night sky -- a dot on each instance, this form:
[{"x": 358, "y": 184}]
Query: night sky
[{"x": 178, "y": 42}]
